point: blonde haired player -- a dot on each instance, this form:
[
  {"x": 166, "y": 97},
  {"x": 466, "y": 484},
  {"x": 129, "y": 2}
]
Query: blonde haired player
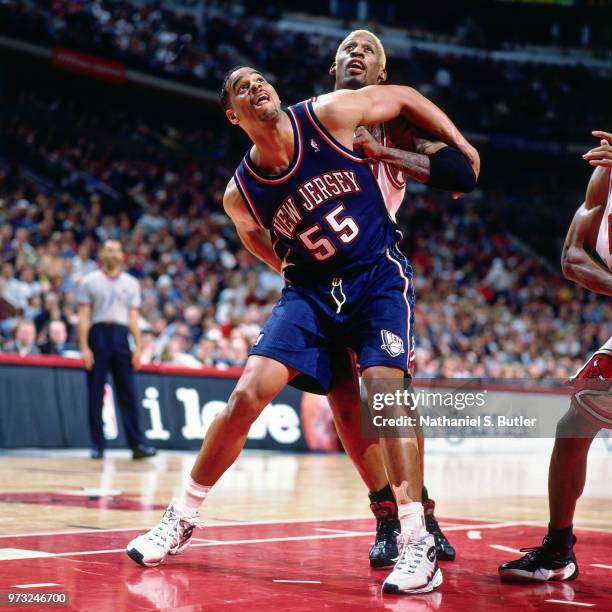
[
  {"x": 397, "y": 152},
  {"x": 586, "y": 260}
]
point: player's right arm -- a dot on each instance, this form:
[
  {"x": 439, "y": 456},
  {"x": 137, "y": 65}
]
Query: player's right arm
[
  {"x": 577, "y": 261},
  {"x": 342, "y": 111},
  {"x": 432, "y": 162},
  {"x": 255, "y": 238},
  {"x": 83, "y": 332}
]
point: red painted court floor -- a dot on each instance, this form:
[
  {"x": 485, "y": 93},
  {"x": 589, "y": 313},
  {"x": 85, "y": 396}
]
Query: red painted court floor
[{"x": 309, "y": 565}]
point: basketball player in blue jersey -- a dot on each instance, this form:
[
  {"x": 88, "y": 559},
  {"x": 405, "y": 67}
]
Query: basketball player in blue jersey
[
  {"x": 397, "y": 152},
  {"x": 303, "y": 192}
]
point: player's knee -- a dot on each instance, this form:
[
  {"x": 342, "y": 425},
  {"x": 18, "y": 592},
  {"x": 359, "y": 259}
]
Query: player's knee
[
  {"x": 575, "y": 426},
  {"x": 574, "y": 435},
  {"x": 244, "y": 406},
  {"x": 375, "y": 380},
  {"x": 383, "y": 383},
  {"x": 346, "y": 406}
]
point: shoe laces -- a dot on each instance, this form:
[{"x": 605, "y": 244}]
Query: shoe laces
[
  {"x": 169, "y": 525},
  {"x": 411, "y": 553},
  {"x": 542, "y": 551},
  {"x": 533, "y": 552}
]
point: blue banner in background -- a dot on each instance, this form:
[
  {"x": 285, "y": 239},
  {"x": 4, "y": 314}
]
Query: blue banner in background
[{"x": 46, "y": 407}]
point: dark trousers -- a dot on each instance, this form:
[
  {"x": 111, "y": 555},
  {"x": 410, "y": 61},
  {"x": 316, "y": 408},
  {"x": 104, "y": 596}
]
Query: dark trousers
[{"x": 110, "y": 346}]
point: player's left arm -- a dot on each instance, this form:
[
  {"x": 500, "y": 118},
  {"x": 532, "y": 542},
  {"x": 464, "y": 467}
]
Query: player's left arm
[
  {"x": 432, "y": 162},
  {"x": 577, "y": 260},
  {"x": 255, "y": 238},
  {"x": 341, "y": 112}
]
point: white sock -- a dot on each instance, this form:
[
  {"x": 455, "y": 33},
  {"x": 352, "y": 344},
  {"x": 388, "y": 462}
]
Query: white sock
[
  {"x": 193, "y": 496},
  {"x": 412, "y": 519}
]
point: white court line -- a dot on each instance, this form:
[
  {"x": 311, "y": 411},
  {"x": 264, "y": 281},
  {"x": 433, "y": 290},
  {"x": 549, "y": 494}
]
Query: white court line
[
  {"x": 88, "y": 552},
  {"x": 215, "y": 524},
  {"x": 339, "y": 530},
  {"x": 569, "y": 603},
  {"x": 505, "y": 548},
  {"x": 527, "y": 523},
  {"x": 59, "y": 533},
  {"x": 300, "y": 581},
  {"x": 491, "y": 524},
  {"x": 545, "y": 525},
  {"x": 601, "y": 565},
  {"x": 31, "y": 586},
  {"x": 484, "y": 526},
  {"x": 204, "y": 540},
  {"x": 329, "y": 536}
]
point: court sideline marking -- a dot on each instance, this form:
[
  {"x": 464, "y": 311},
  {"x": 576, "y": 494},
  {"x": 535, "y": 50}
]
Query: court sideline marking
[
  {"x": 490, "y": 524},
  {"x": 204, "y": 543}
]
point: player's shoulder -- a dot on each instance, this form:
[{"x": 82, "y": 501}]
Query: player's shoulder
[
  {"x": 129, "y": 279},
  {"x": 332, "y": 97},
  {"x": 233, "y": 199},
  {"x": 231, "y": 190}
]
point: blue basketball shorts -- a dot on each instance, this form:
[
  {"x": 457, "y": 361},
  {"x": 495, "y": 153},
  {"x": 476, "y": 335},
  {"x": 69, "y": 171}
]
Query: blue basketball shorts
[{"x": 371, "y": 312}]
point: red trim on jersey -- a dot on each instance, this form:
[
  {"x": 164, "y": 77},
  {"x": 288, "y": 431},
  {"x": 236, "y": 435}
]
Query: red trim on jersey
[
  {"x": 408, "y": 311},
  {"x": 296, "y": 164},
  {"x": 395, "y": 181},
  {"x": 329, "y": 139},
  {"x": 247, "y": 199}
]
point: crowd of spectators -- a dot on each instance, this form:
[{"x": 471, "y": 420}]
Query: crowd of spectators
[
  {"x": 483, "y": 94},
  {"x": 481, "y": 23},
  {"x": 486, "y": 304}
]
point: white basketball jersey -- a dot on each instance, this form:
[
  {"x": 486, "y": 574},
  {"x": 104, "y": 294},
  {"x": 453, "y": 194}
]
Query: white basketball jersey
[
  {"x": 390, "y": 180},
  {"x": 604, "y": 237}
]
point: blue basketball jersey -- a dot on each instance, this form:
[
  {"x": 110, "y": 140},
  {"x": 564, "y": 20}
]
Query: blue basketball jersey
[{"x": 325, "y": 212}]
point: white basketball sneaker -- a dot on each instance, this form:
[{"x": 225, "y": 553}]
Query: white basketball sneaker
[
  {"x": 416, "y": 569},
  {"x": 170, "y": 536}
]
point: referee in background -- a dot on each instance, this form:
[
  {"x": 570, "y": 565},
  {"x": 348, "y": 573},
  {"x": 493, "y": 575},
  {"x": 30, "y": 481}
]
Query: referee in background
[{"x": 109, "y": 301}]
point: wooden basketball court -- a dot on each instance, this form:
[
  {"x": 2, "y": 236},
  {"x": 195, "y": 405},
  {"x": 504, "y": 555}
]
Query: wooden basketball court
[{"x": 285, "y": 530}]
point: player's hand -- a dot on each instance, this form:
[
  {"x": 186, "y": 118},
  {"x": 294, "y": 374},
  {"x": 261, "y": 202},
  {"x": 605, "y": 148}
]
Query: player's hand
[
  {"x": 365, "y": 142},
  {"x": 136, "y": 356},
  {"x": 88, "y": 359},
  {"x": 601, "y": 155}
]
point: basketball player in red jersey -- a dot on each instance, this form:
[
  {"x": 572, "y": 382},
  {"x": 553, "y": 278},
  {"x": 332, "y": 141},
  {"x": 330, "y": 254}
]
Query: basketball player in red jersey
[
  {"x": 586, "y": 260},
  {"x": 360, "y": 61}
]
